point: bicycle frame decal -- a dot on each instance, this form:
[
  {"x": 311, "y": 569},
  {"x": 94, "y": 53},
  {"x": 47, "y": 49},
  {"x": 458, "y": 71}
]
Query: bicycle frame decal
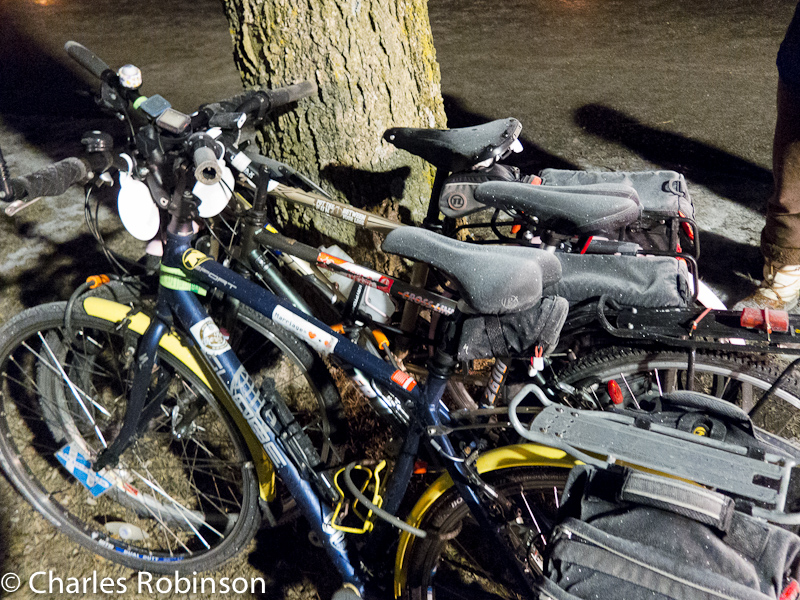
[
  {"x": 387, "y": 284},
  {"x": 210, "y": 337},
  {"x": 307, "y": 332},
  {"x": 346, "y": 214},
  {"x": 356, "y": 272},
  {"x": 192, "y": 258}
]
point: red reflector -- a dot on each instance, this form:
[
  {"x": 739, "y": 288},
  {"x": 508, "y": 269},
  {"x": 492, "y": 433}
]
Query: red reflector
[
  {"x": 687, "y": 229},
  {"x": 536, "y": 180},
  {"x": 614, "y": 391},
  {"x": 791, "y": 591},
  {"x": 755, "y": 318},
  {"x": 515, "y": 228},
  {"x": 420, "y": 467}
]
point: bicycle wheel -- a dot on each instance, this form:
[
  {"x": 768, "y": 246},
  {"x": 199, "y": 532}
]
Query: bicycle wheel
[
  {"x": 179, "y": 500},
  {"x": 460, "y": 562},
  {"x": 740, "y": 379}
]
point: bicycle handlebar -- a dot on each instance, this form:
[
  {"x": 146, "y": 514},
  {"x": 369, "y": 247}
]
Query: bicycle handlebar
[
  {"x": 291, "y": 93},
  {"x": 87, "y": 59},
  {"x": 53, "y": 180},
  {"x": 261, "y": 102},
  {"x": 57, "y": 178}
]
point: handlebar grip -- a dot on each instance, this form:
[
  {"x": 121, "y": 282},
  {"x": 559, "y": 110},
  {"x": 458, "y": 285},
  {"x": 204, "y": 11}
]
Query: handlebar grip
[
  {"x": 227, "y": 120},
  {"x": 207, "y": 170},
  {"x": 87, "y": 59},
  {"x": 292, "y": 93},
  {"x": 53, "y": 180}
]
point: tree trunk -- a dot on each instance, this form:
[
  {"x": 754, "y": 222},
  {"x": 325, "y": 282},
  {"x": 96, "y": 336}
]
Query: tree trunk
[{"x": 375, "y": 66}]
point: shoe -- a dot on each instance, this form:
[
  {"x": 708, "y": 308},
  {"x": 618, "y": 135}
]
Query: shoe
[{"x": 779, "y": 289}]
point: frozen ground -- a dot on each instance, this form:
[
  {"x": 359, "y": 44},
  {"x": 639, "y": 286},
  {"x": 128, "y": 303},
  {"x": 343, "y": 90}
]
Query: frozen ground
[{"x": 679, "y": 84}]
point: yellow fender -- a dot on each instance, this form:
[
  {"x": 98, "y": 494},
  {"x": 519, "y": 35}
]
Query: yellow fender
[
  {"x": 522, "y": 455},
  {"x": 115, "y": 312}
]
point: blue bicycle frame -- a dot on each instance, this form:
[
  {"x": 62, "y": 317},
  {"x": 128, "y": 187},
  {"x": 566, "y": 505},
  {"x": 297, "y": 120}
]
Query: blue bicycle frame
[{"x": 423, "y": 400}]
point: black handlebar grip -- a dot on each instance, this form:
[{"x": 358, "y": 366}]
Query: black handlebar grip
[
  {"x": 291, "y": 93},
  {"x": 227, "y": 120},
  {"x": 87, "y": 59},
  {"x": 53, "y": 180}
]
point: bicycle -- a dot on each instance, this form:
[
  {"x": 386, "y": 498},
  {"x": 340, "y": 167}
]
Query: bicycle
[
  {"x": 133, "y": 339},
  {"x": 98, "y": 398},
  {"x": 625, "y": 342}
]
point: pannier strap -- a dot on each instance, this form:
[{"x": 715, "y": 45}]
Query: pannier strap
[
  {"x": 685, "y": 499},
  {"x": 494, "y": 331}
]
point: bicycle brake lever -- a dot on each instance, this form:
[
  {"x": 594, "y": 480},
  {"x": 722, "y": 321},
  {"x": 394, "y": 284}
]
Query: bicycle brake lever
[{"x": 18, "y": 205}]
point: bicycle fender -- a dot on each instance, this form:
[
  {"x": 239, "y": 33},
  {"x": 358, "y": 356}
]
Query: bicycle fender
[
  {"x": 114, "y": 312},
  {"x": 506, "y": 457}
]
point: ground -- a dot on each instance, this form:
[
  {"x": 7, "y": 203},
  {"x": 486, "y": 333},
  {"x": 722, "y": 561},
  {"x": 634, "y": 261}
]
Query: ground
[{"x": 684, "y": 85}]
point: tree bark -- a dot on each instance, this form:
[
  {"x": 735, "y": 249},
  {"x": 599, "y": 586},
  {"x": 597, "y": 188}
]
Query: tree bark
[{"x": 375, "y": 66}]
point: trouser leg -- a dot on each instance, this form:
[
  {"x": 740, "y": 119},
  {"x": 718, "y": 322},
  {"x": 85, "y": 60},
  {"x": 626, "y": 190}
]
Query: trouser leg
[{"x": 780, "y": 238}]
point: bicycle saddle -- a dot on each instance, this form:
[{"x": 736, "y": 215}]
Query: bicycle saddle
[
  {"x": 492, "y": 279},
  {"x": 566, "y": 209},
  {"x": 457, "y": 149}
]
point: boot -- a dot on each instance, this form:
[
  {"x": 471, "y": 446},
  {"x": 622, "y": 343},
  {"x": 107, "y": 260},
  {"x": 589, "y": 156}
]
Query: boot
[{"x": 778, "y": 291}]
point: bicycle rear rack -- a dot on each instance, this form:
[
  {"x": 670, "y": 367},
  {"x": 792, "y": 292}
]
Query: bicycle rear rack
[{"x": 697, "y": 328}]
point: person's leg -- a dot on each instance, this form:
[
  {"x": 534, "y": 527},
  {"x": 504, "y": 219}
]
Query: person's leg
[{"x": 780, "y": 238}]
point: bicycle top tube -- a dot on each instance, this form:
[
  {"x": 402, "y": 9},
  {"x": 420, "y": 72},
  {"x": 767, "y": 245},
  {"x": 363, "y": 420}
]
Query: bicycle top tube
[{"x": 203, "y": 269}]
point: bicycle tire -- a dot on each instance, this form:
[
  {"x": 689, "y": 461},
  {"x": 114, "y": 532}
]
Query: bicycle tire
[
  {"x": 154, "y": 489},
  {"x": 459, "y": 562},
  {"x": 738, "y": 378}
]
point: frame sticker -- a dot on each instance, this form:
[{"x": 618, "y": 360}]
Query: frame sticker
[
  {"x": 210, "y": 337},
  {"x": 81, "y": 468},
  {"x": 356, "y": 272},
  {"x": 307, "y": 332},
  {"x": 193, "y": 258}
]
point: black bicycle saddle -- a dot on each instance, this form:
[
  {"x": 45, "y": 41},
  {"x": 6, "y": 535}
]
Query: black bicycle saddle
[
  {"x": 457, "y": 149},
  {"x": 492, "y": 279},
  {"x": 570, "y": 209}
]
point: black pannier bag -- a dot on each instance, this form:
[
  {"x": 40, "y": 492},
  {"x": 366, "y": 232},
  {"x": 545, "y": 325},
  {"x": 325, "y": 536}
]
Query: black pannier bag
[
  {"x": 514, "y": 334},
  {"x": 642, "y": 281},
  {"x": 636, "y": 535},
  {"x": 667, "y": 224}
]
